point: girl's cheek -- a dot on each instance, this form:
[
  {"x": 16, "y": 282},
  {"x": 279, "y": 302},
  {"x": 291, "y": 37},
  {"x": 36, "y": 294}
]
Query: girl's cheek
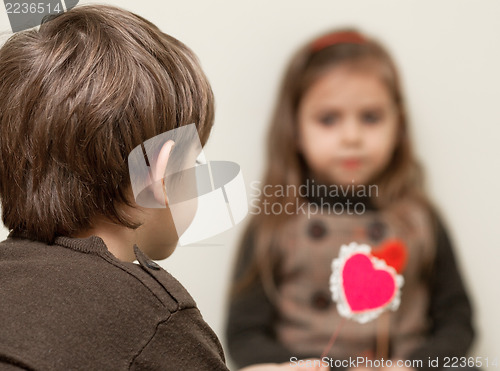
[{"x": 383, "y": 140}]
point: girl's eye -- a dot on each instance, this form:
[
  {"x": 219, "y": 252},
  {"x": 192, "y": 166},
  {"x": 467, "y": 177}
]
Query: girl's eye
[
  {"x": 371, "y": 117},
  {"x": 329, "y": 119}
]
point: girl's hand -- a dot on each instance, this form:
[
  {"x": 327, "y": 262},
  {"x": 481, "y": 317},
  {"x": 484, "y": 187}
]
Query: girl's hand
[
  {"x": 286, "y": 366},
  {"x": 396, "y": 368},
  {"x": 262, "y": 367}
]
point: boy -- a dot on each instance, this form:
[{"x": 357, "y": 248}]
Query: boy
[{"x": 76, "y": 96}]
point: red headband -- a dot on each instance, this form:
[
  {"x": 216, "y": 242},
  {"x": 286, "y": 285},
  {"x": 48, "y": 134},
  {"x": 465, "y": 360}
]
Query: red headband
[{"x": 350, "y": 37}]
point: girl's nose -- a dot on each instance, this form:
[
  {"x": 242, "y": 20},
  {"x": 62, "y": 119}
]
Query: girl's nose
[{"x": 351, "y": 133}]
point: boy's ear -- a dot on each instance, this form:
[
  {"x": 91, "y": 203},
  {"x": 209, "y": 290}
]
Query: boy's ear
[{"x": 159, "y": 171}]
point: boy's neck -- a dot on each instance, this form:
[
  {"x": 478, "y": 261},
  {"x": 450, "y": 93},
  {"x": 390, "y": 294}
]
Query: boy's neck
[{"x": 118, "y": 239}]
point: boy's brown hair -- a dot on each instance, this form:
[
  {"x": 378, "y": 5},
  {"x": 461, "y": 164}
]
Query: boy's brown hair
[{"x": 76, "y": 96}]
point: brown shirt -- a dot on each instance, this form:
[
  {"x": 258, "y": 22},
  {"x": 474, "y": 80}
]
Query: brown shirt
[
  {"x": 433, "y": 320},
  {"x": 73, "y": 305},
  {"x": 308, "y": 317}
]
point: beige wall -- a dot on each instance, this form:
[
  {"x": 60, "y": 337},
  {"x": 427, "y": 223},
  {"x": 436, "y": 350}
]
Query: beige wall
[{"x": 448, "y": 53}]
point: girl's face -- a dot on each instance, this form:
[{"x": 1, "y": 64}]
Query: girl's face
[{"x": 348, "y": 125}]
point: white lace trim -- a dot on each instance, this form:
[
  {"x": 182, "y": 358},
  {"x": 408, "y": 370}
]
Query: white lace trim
[{"x": 337, "y": 288}]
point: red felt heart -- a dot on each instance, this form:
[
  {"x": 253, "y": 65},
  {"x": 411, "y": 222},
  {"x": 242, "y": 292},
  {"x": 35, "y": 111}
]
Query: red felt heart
[
  {"x": 394, "y": 253},
  {"x": 365, "y": 287}
]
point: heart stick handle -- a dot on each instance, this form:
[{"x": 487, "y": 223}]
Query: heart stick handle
[{"x": 335, "y": 334}]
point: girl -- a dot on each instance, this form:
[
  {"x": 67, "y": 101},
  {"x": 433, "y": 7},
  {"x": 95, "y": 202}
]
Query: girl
[{"x": 341, "y": 169}]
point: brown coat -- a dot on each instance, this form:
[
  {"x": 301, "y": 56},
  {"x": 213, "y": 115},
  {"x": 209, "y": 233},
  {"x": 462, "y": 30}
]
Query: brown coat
[
  {"x": 308, "y": 317},
  {"x": 433, "y": 320},
  {"x": 73, "y": 305}
]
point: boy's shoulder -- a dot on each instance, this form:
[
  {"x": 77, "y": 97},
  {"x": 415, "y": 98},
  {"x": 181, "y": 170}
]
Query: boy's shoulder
[
  {"x": 73, "y": 303},
  {"x": 84, "y": 266}
]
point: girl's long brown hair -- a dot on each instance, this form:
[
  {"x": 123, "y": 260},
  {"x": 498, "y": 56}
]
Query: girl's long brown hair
[{"x": 286, "y": 167}]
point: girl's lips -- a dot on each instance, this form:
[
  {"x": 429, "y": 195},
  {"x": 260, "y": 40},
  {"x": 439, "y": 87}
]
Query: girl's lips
[{"x": 350, "y": 163}]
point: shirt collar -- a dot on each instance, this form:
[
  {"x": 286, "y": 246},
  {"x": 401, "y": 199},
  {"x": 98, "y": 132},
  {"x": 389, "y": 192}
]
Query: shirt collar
[{"x": 92, "y": 244}]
